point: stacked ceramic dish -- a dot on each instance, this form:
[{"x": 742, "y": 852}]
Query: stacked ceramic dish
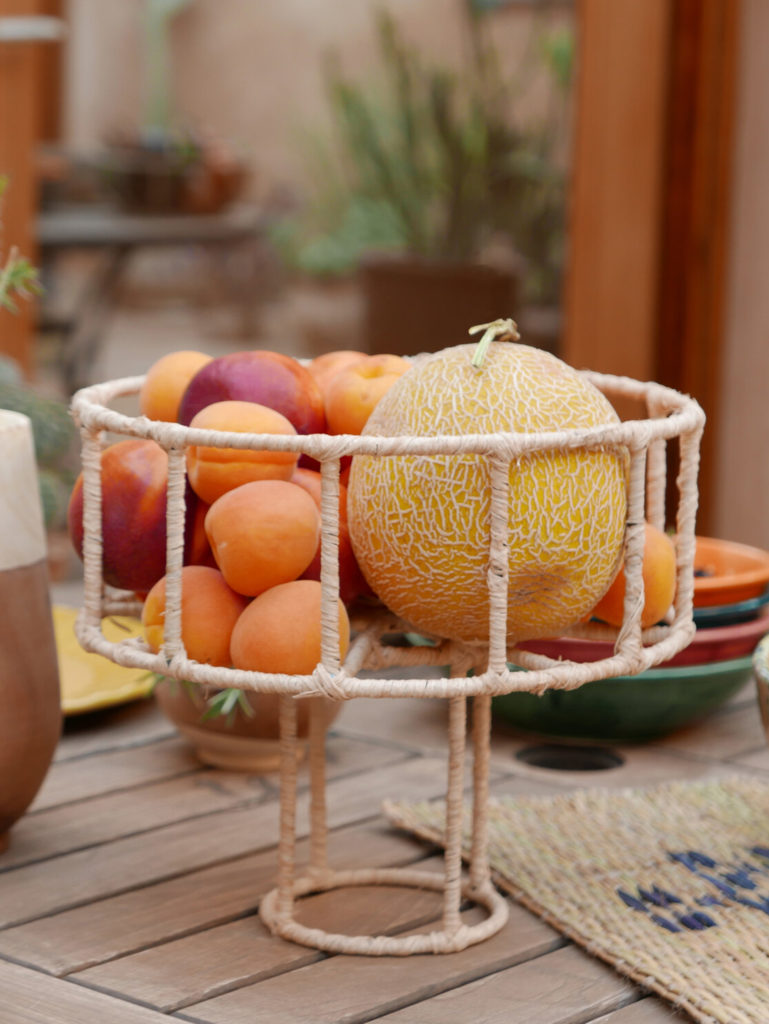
[{"x": 731, "y": 612}]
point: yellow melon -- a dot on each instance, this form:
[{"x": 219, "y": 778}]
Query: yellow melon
[{"x": 420, "y": 524}]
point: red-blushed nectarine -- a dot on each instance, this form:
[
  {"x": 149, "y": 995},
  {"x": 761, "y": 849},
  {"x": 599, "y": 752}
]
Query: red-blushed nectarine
[{"x": 267, "y": 378}]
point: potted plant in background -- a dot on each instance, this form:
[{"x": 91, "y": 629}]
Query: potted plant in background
[
  {"x": 163, "y": 167},
  {"x": 453, "y": 213}
]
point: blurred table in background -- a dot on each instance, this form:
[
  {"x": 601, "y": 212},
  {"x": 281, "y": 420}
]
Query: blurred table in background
[{"x": 237, "y": 232}]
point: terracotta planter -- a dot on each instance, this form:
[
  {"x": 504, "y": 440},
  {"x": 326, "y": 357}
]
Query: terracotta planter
[
  {"x": 30, "y": 720},
  {"x": 245, "y": 743},
  {"x": 413, "y": 305}
]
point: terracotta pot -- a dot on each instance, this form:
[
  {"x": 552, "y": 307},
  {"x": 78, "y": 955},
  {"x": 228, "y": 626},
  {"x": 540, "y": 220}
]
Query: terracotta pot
[
  {"x": 30, "y": 716},
  {"x": 241, "y": 743},
  {"x": 413, "y": 306}
]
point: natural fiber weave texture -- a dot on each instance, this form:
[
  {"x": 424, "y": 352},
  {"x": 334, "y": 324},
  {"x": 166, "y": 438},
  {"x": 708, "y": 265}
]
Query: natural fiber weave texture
[{"x": 668, "y": 884}]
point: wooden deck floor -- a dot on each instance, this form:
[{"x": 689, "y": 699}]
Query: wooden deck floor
[{"x": 129, "y": 892}]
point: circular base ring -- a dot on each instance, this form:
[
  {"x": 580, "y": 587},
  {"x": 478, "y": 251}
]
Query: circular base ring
[{"x": 384, "y": 945}]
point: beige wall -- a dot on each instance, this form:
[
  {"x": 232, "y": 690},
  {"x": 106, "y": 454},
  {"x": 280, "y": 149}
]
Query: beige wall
[
  {"x": 248, "y": 70},
  {"x": 742, "y": 506}
]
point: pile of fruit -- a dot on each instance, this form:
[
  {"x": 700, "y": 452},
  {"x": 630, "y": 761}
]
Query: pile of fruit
[
  {"x": 250, "y": 583},
  {"x": 414, "y": 529}
]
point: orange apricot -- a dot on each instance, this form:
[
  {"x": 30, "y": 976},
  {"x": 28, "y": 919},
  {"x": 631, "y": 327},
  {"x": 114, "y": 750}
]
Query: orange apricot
[
  {"x": 329, "y": 364},
  {"x": 213, "y": 471},
  {"x": 658, "y": 571},
  {"x": 352, "y": 394},
  {"x": 166, "y": 381},
  {"x": 210, "y": 609},
  {"x": 280, "y": 630},
  {"x": 351, "y": 581},
  {"x": 263, "y": 533}
]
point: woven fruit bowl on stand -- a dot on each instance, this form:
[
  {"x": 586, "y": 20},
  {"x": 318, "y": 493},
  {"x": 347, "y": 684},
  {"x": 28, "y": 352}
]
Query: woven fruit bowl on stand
[{"x": 635, "y": 453}]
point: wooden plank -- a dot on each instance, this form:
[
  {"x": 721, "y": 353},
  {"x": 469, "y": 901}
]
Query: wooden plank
[
  {"x": 130, "y": 811},
  {"x": 646, "y": 1011},
  {"x": 74, "y": 779},
  {"x": 130, "y": 725},
  {"x": 62, "y": 830},
  {"x": 563, "y": 987},
  {"x": 121, "y": 925},
  {"x": 351, "y": 989},
  {"x": 244, "y": 952},
  {"x": 30, "y": 997},
  {"x": 75, "y": 878}
]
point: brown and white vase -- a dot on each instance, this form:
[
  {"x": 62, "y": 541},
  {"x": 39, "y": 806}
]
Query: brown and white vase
[{"x": 30, "y": 703}]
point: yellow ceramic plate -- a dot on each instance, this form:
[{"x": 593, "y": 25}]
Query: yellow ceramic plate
[{"x": 89, "y": 681}]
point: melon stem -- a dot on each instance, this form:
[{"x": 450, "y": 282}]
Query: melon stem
[{"x": 497, "y": 330}]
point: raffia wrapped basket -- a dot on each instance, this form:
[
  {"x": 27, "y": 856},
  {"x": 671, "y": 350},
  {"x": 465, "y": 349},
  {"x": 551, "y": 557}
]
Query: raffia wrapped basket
[{"x": 670, "y": 417}]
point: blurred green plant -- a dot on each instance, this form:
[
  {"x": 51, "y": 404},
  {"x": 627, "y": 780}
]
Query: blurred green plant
[
  {"x": 52, "y": 428},
  {"x": 433, "y": 162}
]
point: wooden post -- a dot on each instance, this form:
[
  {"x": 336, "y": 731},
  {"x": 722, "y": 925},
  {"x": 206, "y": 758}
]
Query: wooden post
[{"x": 19, "y": 132}]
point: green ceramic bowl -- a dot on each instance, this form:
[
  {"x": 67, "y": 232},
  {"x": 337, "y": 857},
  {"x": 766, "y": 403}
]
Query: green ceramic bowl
[{"x": 627, "y": 708}]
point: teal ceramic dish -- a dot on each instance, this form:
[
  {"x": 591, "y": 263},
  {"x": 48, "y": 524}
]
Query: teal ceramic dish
[{"x": 627, "y": 709}]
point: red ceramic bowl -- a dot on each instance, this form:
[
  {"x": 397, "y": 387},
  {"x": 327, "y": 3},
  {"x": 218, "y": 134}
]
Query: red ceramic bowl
[
  {"x": 726, "y": 572},
  {"x": 720, "y": 643}
]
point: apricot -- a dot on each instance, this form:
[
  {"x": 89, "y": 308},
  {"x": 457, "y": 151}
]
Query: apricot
[
  {"x": 263, "y": 533},
  {"x": 351, "y": 581},
  {"x": 658, "y": 571},
  {"x": 280, "y": 630},
  {"x": 267, "y": 378},
  {"x": 166, "y": 381},
  {"x": 326, "y": 366},
  {"x": 214, "y": 471},
  {"x": 210, "y": 609},
  {"x": 352, "y": 394}
]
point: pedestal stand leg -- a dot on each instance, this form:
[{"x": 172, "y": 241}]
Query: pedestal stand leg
[
  {"x": 318, "y": 826},
  {"x": 452, "y": 892},
  {"x": 480, "y": 875},
  {"x": 287, "y": 841}
]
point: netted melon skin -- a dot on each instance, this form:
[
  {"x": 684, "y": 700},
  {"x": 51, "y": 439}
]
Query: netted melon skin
[{"x": 420, "y": 524}]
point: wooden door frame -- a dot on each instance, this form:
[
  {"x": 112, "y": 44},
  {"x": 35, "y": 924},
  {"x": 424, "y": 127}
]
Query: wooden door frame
[{"x": 649, "y": 216}]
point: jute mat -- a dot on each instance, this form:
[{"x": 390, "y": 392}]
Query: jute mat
[{"x": 669, "y": 884}]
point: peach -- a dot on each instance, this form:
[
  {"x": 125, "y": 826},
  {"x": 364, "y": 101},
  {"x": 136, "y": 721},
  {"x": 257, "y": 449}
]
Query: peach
[
  {"x": 326, "y": 366},
  {"x": 210, "y": 609},
  {"x": 280, "y": 631},
  {"x": 658, "y": 571},
  {"x": 263, "y": 533},
  {"x": 351, "y": 581},
  {"x": 134, "y": 483},
  {"x": 166, "y": 381},
  {"x": 214, "y": 471},
  {"x": 267, "y": 378},
  {"x": 353, "y": 393}
]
